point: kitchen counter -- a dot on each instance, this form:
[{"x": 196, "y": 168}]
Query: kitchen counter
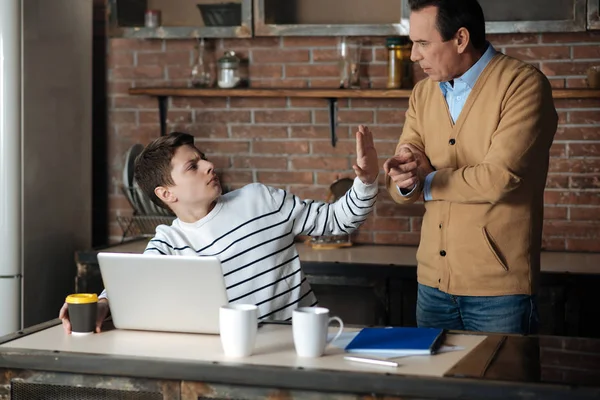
[{"x": 191, "y": 366}]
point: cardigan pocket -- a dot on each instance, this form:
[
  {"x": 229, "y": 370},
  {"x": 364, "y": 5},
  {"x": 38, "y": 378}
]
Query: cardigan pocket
[{"x": 494, "y": 248}]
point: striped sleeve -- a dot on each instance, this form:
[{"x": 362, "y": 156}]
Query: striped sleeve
[{"x": 317, "y": 218}]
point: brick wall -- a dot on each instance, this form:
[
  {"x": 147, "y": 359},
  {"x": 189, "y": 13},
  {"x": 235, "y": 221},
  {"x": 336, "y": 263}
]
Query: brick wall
[{"x": 285, "y": 141}]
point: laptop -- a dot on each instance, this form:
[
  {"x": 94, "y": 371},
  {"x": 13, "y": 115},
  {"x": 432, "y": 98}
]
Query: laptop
[{"x": 163, "y": 293}]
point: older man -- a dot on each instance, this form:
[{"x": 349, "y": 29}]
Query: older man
[{"x": 476, "y": 145}]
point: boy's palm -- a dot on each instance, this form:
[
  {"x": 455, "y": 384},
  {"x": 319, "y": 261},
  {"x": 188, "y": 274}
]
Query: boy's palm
[{"x": 366, "y": 166}]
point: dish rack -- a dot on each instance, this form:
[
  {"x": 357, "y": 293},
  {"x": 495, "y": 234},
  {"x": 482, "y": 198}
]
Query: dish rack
[{"x": 146, "y": 215}]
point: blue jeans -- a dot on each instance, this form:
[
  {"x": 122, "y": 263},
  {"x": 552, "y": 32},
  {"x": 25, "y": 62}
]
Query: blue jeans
[{"x": 501, "y": 314}]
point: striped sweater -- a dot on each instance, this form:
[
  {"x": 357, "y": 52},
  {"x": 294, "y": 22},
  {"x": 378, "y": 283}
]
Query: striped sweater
[{"x": 251, "y": 231}]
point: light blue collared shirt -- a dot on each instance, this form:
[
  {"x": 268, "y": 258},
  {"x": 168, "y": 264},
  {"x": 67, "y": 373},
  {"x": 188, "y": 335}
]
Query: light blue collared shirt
[{"x": 456, "y": 95}]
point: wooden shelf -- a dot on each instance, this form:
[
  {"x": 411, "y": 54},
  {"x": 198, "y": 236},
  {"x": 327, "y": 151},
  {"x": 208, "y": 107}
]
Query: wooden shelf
[{"x": 321, "y": 93}]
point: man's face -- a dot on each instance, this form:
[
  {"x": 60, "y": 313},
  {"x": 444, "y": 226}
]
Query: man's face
[
  {"x": 195, "y": 182},
  {"x": 438, "y": 59}
]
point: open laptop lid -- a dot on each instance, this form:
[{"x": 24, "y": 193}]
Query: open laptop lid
[{"x": 163, "y": 293}]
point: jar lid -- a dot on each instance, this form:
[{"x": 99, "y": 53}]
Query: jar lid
[
  {"x": 229, "y": 60},
  {"x": 397, "y": 41}
]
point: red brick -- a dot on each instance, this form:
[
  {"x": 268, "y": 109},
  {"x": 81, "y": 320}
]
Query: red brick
[
  {"x": 415, "y": 224},
  {"x": 381, "y": 54},
  {"x": 256, "y": 42},
  {"x": 573, "y": 197},
  {"x": 396, "y": 210},
  {"x": 557, "y": 181},
  {"x": 280, "y": 56},
  {"x": 258, "y": 131},
  {"x": 585, "y": 182},
  {"x": 186, "y": 44},
  {"x": 373, "y": 70},
  {"x": 172, "y": 83},
  {"x": 325, "y": 83},
  {"x": 346, "y": 117},
  {"x": 212, "y": 131},
  {"x": 124, "y": 59},
  {"x": 584, "y": 117},
  {"x": 311, "y": 131},
  {"x": 147, "y": 72},
  {"x": 578, "y": 166},
  {"x": 280, "y": 84},
  {"x": 577, "y": 133},
  {"x": 386, "y": 132},
  {"x": 230, "y": 176},
  {"x": 577, "y": 103},
  {"x": 279, "y": 163},
  {"x": 285, "y": 177},
  {"x": 319, "y": 163},
  {"x": 119, "y": 87},
  {"x": 310, "y": 103},
  {"x": 573, "y": 244},
  {"x": 299, "y": 41},
  {"x": 558, "y": 150},
  {"x": 198, "y": 102},
  {"x": 584, "y": 149},
  {"x": 577, "y": 37},
  {"x": 385, "y": 148},
  {"x": 342, "y": 147},
  {"x": 362, "y": 237},
  {"x": 390, "y": 116},
  {"x": 118, "y": 44},
  {"x": 562, "y": 117},
  {"x": 513, "y": 38},
  {"x": 586, "y": 51},
  {"x": 387, "y": 224},
  {"x": 396, "y": 104},
  {"x": 327, "y": 178},
  {"x": 311, "y": 71},
  {"x": 271, "y": 71},
  {"x": 178, "y": 117},
  {"x": 539, "y": 52},
  {"x": 553, "y": 244},
  {"x": 182, "y": 58},
  {"x": 566, "y": 68},
  {"x": 248, "y": 102},
  {"x": 122, "y": 117},
  {"x": 220, "y": 162},
  {"x": 139, "y": 130},
  {"x": 280, "y": 147},
  {"x": 287, "y": 116},
  {"x": 223, "y": 147},
  {"x": 321, "y": 55},
  {"x": 584, "y": 213},
  {"x": 572, "y": 229},
  {"x": 177, "y": 72},
  {"x": 223, "y": 116},
  {"x": 557, "y": 83},
  {"x": 407, "y": 239},
  {"x": 555, "y": 213},
  {"x": 577, "y": 83}
]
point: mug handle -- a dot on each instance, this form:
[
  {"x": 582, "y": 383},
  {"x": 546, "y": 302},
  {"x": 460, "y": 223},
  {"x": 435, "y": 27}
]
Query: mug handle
[{"x": 339, "y": 332}]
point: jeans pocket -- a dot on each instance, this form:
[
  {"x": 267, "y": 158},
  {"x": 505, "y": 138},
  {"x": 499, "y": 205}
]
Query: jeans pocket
[{"x": 494, "y": 248}]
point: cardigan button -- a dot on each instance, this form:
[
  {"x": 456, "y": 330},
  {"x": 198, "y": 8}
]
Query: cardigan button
[
  {"x": 452, "y": 142},
  {"x": 443, "y": 253}
]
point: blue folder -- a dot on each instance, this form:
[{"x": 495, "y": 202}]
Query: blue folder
[{"x": 400, "y": 341}]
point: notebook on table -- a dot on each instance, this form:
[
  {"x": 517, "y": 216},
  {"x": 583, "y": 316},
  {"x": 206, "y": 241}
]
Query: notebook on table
[{"x": 400, "y": 341}]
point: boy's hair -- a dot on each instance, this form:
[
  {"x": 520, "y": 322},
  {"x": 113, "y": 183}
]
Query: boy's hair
[
  {"x": 153, "y": 165},
  {"x": 455, "y": 14}
]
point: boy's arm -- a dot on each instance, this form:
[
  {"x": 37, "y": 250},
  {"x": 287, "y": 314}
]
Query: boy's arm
[{"x": 318, "y": 218}]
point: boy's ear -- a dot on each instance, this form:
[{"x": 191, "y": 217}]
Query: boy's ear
[{"x": 165, "y": 195}]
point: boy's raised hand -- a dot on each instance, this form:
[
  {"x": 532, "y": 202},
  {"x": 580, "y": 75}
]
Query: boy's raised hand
[{"x": 367, "y": 165}]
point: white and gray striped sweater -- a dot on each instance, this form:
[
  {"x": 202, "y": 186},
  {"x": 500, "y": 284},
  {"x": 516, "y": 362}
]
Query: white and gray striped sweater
[{"x": 252, "y": 231}]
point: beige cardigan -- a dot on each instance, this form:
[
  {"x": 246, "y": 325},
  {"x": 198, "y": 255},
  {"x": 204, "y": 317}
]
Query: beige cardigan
[{"x": 481, "y": 233}]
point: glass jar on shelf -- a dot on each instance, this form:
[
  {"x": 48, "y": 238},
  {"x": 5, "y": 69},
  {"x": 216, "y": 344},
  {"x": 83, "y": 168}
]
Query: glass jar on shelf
[
  {"x": 203, "y": 75},
  {"x": 399, "y": 65},
  {"x": 228, "y": 70}
]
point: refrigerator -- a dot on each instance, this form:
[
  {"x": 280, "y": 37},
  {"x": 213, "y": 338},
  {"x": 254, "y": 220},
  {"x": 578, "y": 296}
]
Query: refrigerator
[{"x": 45, "y": 154}]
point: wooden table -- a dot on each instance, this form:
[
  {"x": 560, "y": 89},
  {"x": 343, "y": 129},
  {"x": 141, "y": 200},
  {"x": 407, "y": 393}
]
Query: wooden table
[{"x": 164, "y": 366}]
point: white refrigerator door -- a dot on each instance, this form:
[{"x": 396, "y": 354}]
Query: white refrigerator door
[{"x": 10, "y": 310}]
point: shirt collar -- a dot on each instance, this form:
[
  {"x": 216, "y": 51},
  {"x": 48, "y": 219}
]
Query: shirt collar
[{"x": 470, "y": 77}]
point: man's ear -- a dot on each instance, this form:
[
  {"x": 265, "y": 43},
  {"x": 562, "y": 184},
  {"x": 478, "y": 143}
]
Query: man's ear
[
  {"x": 165, "y": 195},
  {"x": 462, "y": 38}
]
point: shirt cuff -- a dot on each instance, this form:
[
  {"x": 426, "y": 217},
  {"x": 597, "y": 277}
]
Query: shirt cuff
[
  {"x": 404, "y": 193},
  {"x": 103, "y": 295},
  {"x": 427, "y": 186}
]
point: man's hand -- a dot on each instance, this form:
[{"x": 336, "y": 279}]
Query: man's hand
[
  {"x": 402, "y": 169},
  {"x": 424, "y": 167},
  {"x": 366, "y": 167},
  {"x": 100, "y": 317}
]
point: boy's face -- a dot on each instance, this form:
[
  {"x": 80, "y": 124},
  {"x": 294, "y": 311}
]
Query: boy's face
[{"x": 195, "y": 181}]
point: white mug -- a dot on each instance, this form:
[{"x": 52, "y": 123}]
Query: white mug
[
  {"x": 238, "y": 324},
  {"x": 310, "y": 326}
]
